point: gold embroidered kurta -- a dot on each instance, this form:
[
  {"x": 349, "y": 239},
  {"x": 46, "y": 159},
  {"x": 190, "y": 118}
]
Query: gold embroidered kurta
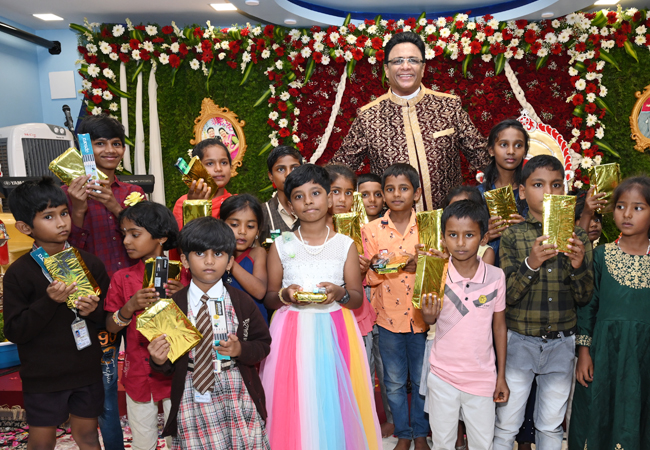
[{"x": 428, "y": 132}]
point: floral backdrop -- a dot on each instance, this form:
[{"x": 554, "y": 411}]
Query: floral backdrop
[{"x": 559, "y": 64}]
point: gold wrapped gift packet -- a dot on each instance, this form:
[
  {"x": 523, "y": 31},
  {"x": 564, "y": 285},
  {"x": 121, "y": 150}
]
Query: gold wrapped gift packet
[
  {"x": 501, "y": 202},
  {"x": 175, "y": 268},
  {"x": 393, "y": 265},
  {"x": 69, "y": 166},
  {"x": 359, "y": 208},
  {"x": 311, "y": 297},
  {"x": 605, "y": 178},
  {"x": 193, "y": 209},
  {"x": 430, "y": 229},
  {"x": 165, "y": 317},
  {"x": 349, "y": 224},
  {"x": 68, "y": 267},
  {"x": 198, "y": 171},
  {"x": 558, "y": 219},
  {"x": 430, "y": 278}
]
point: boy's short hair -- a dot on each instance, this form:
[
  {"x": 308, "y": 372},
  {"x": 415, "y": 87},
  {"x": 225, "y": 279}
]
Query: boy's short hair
[
  {"x": 472, "y": 193},
  {"x": 101, "y": 126},
  {"x": 34, "y": 196},
  {"x": 280, "y": 151},
  {"x": 157, "y": 219},
  {"x": 199, "y": 149},
  {"x": 541, "y": 162},
  {"x": 467, "y": 208},
  {"x": 581, "y": 198},
  {"x": 367, "y": 178},
  {"x": 402, "y": 169},
  {"x": 207, "y": 233},
  {"x": 341, "y": 170},
  {"x": 307, "y": 173}
]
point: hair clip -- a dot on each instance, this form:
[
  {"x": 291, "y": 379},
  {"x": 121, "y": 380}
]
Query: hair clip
[{"x": 133, "y": 199}]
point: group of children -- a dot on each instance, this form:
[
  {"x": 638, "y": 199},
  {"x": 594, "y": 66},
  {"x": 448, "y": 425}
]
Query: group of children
[{"x": 498, "y": 351}]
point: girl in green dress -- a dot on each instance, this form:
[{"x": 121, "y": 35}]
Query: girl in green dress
[{"x": 611, "y": 406}]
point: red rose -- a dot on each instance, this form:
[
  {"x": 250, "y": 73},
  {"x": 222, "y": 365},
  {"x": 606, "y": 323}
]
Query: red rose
[
  {"x": 357, "y": 54},
  {"x": 377, "y": 43},
  {"x": 438, "y": 50},
  {"x": 636, "y": 17},
  {"x": 577, "y": 122},
  {"x": 158, "y": 40},
  {"x": 556, "y": 49},
  {"x": 97, "y": 99},
  {"x": 124, "y": 57},
  {"x": 167, "y": 29},
  {"x": 626, "y": 27},
  {"x": 174, "y": 61},
  {"x": 282, "y": 106},
  {"x": 232, "y": 64},
  {"x": 581, "y": 47},
  {"x": 91, "y": 59},
  {"x": 475, "y": 46},
  {"x": 410, "y": 22},
  {"x": 489, "y": 31},
  {"x": 591, "y": 88},
  {"x": 245, "y": 31},
  {"x": 294, "y": 92},
  {"x": 589, "y": 133},
  {"x": 208, "y": 56},
  {"x": 145, "y": 55},
  {"x": 575, "y": 146},
  {"x": 134, "y": 44},
  {"x": 530, "y": 36},
  {"x": 535, "y": 47},
  {"x": 139, "y": 27},
  {"x": 300, "y": 146},
  {"x": 83, "y": 50},
  {"x": 379, "y": 56},
  {"x": 279, "y": 51},
  {"x": 611, "y": 17},
  {"x": 521, "y": 24},
  {"x": 507, "y": 34},
  {"x": 318, "y": 57},
  {"x": 620, "y": 40},
  {"x": 198, "y": 32},
  {"x": 284, "y": 132},
  {"x": 182, "y": 49},
  {"x": 352, "y": 27},
  {"x": 361, "y": 41}
]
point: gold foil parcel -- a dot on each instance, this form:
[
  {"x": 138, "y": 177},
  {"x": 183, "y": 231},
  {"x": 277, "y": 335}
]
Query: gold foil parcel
[
  {"x": 429, "y": 229},
  {"x": 312, "y": 297},
  {"x": 605, "y": 178},
  {"x": 193, "y": 209},
  {"x": 69, "y": 166},
  {"x": 198, "y": 171},
  {"x": 68, "y": 267},
  {"x": 558, "y": 219},
  {"x": 349, "y": 225},
  {"x": 175, "y": 268},
  {"x": 393, "y": 265},
  {"x": 165, "y": 317},
  {"x": 359, "y": 208},
  {"x": 501, "y": 202},
  {"x": 430, "y": 278}
]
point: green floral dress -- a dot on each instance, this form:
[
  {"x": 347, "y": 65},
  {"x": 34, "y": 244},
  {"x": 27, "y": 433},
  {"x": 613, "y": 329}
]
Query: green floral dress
[{"x": 614, "y": 411}]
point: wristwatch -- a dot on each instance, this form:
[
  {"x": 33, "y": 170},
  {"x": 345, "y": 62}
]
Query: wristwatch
[{"x": 344, "y": 299}]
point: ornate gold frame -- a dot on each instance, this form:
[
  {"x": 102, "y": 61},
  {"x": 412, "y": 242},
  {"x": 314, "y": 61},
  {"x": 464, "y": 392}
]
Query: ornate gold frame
[
  {"x": 209, "y": 110},
  {"x": 642, "y": 141}
]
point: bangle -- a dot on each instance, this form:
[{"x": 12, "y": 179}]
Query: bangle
[
  {"x": 530, "y": 268},
  {"x": 281, "y": 298},
  {"x": 120, "y": 322}
]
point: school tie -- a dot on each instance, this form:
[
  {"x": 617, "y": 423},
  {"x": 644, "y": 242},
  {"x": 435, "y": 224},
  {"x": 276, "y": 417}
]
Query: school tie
[{"x": 203, "y": 367}]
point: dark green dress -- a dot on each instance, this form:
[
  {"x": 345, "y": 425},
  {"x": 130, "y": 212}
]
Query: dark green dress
[{"x": 614, "y": 411}]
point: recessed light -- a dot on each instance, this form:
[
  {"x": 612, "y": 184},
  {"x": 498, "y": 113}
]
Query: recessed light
[
  {"x": 47, "y": 16},
  {"x": 252, "y": 2},
  {"x": 547, "y": 14},
  {"x": 223, "y": 6},
  {"x": 290, "y": 21},
  {"x": 606, "y": 2}
]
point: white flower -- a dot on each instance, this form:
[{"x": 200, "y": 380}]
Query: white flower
[
  {"x": 591, "y": 120},
  {"x": 591, "y": 97},
  {"x": 600, "y": 133},
  {"x": 296, "y": 112},
  {"x": 285, "y": 96},
  {"x": 257, "y": 31},
  {"x": 273, "y": 115},
  {"x": 105, "y": 47},
  {"x": 348, "y": 55},
  {"x": 487, "y": 58},
  {"x": 107, "y": 95},
  {"x": 85, "y": 84},
  {"x": 441, "y": 22},
  {"x": 164, "y": 59},
  {"x": 641, "y": 29},
  {"x": 578, "y": 184},
  {"x": 93, "y": 70},
  {"x": 508, "y": 54},
  {"x": 295, "y": 138},
  {"x": 593, "y": 30},
  {"x": 113, "y": 106},
  {"x": 361, "y": 27},
  {"x": 598, "y": 158},
  {"x": 148, "y": 46},
  {"x": 445, "y": 32},
  {"x": 494, "y": 24},
  {"x": 275, "y": 143},
  {"x": 282, "y": 123},
  {"x": 351, "y": 38},
  {"x": 275, "y": 46},
  {"x": 587, "y": 162},
  {"x": 572, "y": 18},
  {"x": 221, "y": 56},
  {"x": 319, "y": 47},
  {"x": 542, "y": 52},
  {"x": 407, "y": 28},
  {"x": 460, "y": 18},
  {"x": 555, "y": 23},
  {"x": 400, "y": 23},
  {"x": 118, "y": 30},
  {"x": 266, "y": 53},
  {"x": 151, "y": 30},
  {"x": 114, "y": 56},
  {"x": 480, "y": 36},
  {"x": 108, "y": 73},
  {"x": 572, "y": 71},
  {"x": 246, "y": 57},
  {"x": 591, "y": 76},
  {"x": 471, "y": 25},
  {"x": 604, "y": 31},
  {"x": 372, "y": 60},
  {"x": 125, "y": 48},
  {"x": 92, "y": 48},
  {"x": 519, "y": 54},
  {"x": 590, "y": 54},
  {"x": 334, "y": 36},
  {"x": 194, "y": 64},
  {"x": 174, "y": 47},
  {"x": 372, "y": 29},
  {"x": 279, "y": 64},
  {"x": 581, "y": 84},
  {"x": 305, "y": 52},
  {"x": 429, "y": 53},
  {"x": 97, "y": 91},
  {"x": 295, "y": 34},
  {"x": 135, "y": 54},
  {"x": 564, "y": 36},
  {"x": 639, "y": 40},
  {"x": 575, "y": 132},
  {"x": 551, "y": 38},
  {"x": 225, "y": 45},
  {"x": 603, "y": 91},
  {"x": 305, "y": 39},
  {"x": 96, "y": 111},
  {"x": 325, "y": 60}
]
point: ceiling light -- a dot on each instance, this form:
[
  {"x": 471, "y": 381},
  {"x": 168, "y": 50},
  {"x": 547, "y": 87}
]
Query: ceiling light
[
  {"x": 47, "y": 16},
  {"x": 223, "y": 6},
  {"x": 290, "y": 21},
  {"x": 547, "y": 14},
  {"x": 606, "y": 2},
  {"x": 252, "y": 2}
]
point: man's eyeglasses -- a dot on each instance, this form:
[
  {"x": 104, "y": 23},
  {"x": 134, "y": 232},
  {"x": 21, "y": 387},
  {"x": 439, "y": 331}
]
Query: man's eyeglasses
[{"x": 399, "y": 61}]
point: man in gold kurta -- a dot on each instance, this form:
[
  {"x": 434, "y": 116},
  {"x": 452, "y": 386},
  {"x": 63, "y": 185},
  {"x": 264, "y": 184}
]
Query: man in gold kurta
[{"x": 415, "y": 125}]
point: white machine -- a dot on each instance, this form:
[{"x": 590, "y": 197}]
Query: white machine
[{"x": 26, "y": 150}]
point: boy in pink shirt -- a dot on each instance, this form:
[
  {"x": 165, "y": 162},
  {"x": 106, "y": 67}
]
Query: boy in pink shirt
[{"x": 471, "y": 316}]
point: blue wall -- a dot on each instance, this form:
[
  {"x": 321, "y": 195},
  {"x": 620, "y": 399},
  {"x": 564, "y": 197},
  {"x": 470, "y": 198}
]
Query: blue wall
[{"x": 20, "y": 91}]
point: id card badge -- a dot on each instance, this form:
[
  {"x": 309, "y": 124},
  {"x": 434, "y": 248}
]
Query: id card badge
[
  {"x": 220, "y": 327},
  {"x": 80, "y": 333},
  {"x": 202, "y": 398},
  {"x": 275, "y": 234}
]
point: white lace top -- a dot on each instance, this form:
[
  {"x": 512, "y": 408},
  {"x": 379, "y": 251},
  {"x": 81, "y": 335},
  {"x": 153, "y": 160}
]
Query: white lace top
[{"x": 307, "y": 270}]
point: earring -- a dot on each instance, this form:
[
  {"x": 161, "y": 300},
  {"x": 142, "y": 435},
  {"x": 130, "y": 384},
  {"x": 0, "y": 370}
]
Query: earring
[
  {"x": 257, "y": 236},
  {"x": 161, "y": 244},
  {"x": 228, "y": 277},
  {"x": 274, "y": 186}
]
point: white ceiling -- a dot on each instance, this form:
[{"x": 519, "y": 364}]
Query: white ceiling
[{"x": 304, "y": 12}]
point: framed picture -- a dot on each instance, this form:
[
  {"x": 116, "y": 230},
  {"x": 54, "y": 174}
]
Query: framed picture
[
  {"x": 640, "y": 120},
  {"x": 221, "y": 123}
]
